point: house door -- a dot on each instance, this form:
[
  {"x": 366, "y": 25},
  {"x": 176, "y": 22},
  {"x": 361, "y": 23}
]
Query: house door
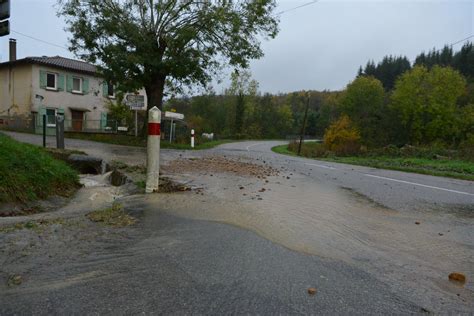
[{"x": 77, "y": 118}]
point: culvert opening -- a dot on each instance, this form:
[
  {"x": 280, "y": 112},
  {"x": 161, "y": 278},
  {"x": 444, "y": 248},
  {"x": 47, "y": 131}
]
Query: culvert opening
[{"x": 87, "y": 165}]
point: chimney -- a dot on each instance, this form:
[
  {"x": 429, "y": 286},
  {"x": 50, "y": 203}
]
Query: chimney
[{"x": 12, "y": 49}]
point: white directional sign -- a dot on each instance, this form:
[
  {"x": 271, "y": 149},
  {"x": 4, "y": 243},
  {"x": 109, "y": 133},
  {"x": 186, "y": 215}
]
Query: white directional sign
[
  {"x": 174, "y": 115},
  {"x": 135, "y": 101}
]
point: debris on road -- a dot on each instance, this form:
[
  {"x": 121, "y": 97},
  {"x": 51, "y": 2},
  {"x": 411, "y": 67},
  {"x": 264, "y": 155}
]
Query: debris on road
[
  {"x": 112, "y": 216},
  {"x": 457, "y": 277},
  {"x": 312, "y": 291},
  {"x": 14, "y": 280},
  {"x": 221, "y": 165}
]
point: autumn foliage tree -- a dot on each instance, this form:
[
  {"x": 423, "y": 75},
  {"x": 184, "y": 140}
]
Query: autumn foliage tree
[{"x": 342, "y": 137}]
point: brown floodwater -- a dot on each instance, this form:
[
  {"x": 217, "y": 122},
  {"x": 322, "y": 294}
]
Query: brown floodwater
[{"x": 320, "y": 219}]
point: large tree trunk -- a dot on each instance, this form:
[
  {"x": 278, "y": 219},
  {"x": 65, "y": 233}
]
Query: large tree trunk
[{"x": 154, "y": 93}]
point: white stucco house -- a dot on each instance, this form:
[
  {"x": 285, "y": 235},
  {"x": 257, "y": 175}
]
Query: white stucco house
[{"x": 36, "y": 86}]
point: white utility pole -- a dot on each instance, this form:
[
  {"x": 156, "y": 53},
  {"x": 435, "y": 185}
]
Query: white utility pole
[{"x": 153, "y": 150}]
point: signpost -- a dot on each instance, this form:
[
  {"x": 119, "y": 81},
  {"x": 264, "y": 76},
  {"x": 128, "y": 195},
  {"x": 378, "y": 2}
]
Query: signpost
[
  {"x": 60, "y": 131},
  {"x": 135, "y": 102}
]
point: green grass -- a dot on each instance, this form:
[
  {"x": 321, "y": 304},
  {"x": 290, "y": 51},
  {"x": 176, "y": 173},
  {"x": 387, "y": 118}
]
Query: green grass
[
  {"x": 29, "y": 173},
  {"x": 453, "y": 168},
  {"x": 127, "y": 140},
  {"x": 283, "y": 149}
]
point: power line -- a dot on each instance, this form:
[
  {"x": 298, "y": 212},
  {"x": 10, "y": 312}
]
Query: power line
[
  {"x": 449, "y": 45},
  {"x": 64, "y": 47},
  {"x": 300, "y": 6},
  {"x": 40, "y": 40},
  {"x": 463, "y": 40}
]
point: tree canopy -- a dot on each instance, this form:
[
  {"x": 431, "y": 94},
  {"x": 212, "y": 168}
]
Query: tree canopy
[
  {"x": 167, "y": 44},
  {"x": 363, "y": 102},
  {"x": 426, "y": 103}
]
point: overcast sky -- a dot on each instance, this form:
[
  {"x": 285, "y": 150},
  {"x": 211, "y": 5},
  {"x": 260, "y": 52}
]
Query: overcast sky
[{"x": 319, "y": 46}]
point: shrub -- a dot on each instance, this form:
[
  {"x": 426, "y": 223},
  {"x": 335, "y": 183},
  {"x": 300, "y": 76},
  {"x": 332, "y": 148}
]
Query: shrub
[
  {"x": 467, "y": 147},
  {"x": 342, "y": 137}
]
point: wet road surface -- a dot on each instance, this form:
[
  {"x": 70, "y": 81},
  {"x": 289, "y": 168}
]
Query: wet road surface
[
  {"x": 171, "y": 265},
  {"x": 360, "y": 220}
]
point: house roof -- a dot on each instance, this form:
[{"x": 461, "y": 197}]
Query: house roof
[{"x": 57, "y": 62}]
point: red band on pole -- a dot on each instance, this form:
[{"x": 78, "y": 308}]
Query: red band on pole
[{"x": 154, "y": 129}]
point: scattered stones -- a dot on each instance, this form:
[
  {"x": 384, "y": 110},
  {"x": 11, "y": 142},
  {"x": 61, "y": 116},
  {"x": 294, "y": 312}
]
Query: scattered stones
[
  {"x": 241, "y": 188},
  {"x": 219, "y": 164},
  {"x": 312, "y": 291},
  {"x": 183, "y": 188},
  {"x": 417, "y": 223},
  {"x": 441, "y": 234},
  {"x": 15, "y": 280},
  {"x": 287, "y": 177},
  {"x": 458, "y": 278},
  {"x": 262, "y": 190}
]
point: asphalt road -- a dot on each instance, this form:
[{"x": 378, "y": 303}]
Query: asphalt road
[
  {"x": 171, "y": 265},
  {"x": 394, "y": 189},
  {"x": 364, "y": 254}
]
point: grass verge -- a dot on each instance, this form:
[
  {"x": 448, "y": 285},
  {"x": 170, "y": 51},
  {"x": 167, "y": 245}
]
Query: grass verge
[
  {"x": 112, "y": 216},
  {"x": 452, "y": 168},
  {"x": 29, "y": 173},
  {"x": 127, "y": 140}
]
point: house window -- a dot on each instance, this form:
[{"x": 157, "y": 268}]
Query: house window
[
  {"x": 77, "y": 85},
  {"x": 50, "y": 117},
  {"x": 110, "y": 90},
  {"x": 51, "y": 81}
]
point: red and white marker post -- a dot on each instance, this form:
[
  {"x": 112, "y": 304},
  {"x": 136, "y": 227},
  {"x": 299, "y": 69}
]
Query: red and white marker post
[
  {"x": 192, "y": 138},
  {"x": 153, "y": 150}
]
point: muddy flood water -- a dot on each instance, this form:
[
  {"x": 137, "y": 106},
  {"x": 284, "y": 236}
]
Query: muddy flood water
[{"x": 412, "y": 252}]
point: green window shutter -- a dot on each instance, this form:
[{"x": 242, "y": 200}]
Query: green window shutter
[
  {"x": 85, "y": 85},
  {"x": 60, "y": 111},
  {"x": 42, "y": 79},
  {"x": 69, "y": 83},
  {"x": 60, "y": 82},
  {"x": 103, "y": 120},
  {"x": 105, "y": 89}
]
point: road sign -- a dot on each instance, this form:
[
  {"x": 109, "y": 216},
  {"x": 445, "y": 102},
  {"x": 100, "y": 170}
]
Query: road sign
[
  {"x": 135, "y": 101},
  {"x": 174, "y": 116},
  {"x": 4, "y": 9},
  {"x": 4, "y": 28}
]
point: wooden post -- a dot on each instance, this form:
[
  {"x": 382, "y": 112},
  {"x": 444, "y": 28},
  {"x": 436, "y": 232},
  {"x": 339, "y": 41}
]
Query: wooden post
[
  {"x": 303, "y": 128},
  {"x": 44, "y": 130}
]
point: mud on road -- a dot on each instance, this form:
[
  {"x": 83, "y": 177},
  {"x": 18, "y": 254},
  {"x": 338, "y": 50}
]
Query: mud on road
[
  {"x": 413, "y": 252},
  {"x": 410, "y": 253}
]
